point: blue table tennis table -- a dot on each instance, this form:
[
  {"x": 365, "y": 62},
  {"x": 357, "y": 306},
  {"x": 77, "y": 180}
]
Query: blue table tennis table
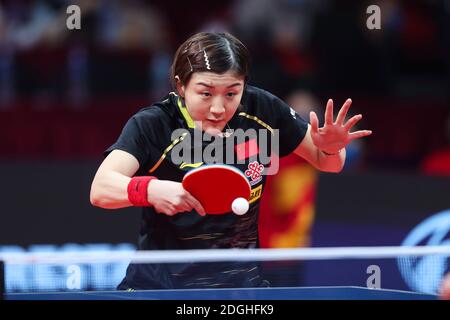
[{"x": 275, "y": 293}]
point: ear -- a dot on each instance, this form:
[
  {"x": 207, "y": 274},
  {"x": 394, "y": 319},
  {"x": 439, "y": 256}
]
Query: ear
[{"x": 180, "y": 86}]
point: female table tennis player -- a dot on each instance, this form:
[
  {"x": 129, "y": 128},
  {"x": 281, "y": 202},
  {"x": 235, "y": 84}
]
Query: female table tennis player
[{"x": 209, "y": 72}]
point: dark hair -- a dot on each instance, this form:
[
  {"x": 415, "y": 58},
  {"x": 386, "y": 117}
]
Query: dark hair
[{"x": 210, "y": 51}]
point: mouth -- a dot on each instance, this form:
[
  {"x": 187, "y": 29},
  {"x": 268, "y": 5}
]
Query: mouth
[{"x": 215, "y": 121}]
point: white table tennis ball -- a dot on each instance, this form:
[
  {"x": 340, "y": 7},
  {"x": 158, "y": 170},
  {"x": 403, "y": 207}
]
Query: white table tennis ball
[{"x": 239, "y": 206}]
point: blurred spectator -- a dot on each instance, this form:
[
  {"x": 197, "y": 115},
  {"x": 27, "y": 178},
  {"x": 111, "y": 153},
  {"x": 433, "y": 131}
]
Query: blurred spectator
[
  {"x": 418, "y": 48},
  {"x": 30, "y": 24},
  {"x": 280, "y": 32},
  {"x": 438, "y": 162},
  {"x": 125, "y": 48},
  {"x": 26, "y": 22},
  {"x": 347, "y": 60},
  {"x": 7, "y": 90},
  {"x": 160, "y": 62},
  {"x": 135, "y": 37},
  {"x": 266, "y": 20},
  {"x": 2, "y": 24},
  {"x": 130, "y": 25}
]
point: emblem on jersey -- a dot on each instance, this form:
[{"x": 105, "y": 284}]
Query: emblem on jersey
[
  {"x": 247, "y": 149},
  {"x": 254, "y": 172}
]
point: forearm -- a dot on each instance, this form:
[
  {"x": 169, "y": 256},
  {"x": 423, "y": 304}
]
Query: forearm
[
  {"x": 331, "y": 163},
  {"x": 109, "y": 190}
]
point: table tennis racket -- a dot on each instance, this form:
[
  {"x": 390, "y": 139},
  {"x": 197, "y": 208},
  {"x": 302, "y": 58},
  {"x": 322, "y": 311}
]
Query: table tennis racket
[{"x": 216, "y": 187}]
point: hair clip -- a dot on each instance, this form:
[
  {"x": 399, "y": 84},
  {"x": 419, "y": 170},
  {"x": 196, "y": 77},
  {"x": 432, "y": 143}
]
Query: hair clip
[
  {"x": 206, "y": 60},
  {"x": 190, "y": 64}
]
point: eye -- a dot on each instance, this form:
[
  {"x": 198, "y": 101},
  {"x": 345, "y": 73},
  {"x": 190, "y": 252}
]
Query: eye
[
  {"x": 205, "y": 94},
  {"x": 231, "y": 94}
]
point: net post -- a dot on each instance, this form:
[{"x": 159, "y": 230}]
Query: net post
[{"x": 2, "y": 280}]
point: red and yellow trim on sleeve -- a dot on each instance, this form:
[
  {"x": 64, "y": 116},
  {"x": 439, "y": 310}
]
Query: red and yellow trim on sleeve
[
  {"x": 170, "y": 147},
  {"x": 259, "y": 121}
]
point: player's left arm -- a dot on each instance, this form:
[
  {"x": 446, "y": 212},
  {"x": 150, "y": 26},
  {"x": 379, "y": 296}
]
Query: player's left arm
[{"x": 324, "y": 147}]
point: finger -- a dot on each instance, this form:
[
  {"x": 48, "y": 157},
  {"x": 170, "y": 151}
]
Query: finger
[
  {"x": 343, "y": 112},
  {"x": 168, "y": 210},
  {"x": 195, "y": 204},
  {"x": 329, "y": 113},
  {"x": 359, "y": 134},
  {"x": 183, "y": 206},
  {"x": 352, "y": 121},
  {"x": 314, "y": 122}
]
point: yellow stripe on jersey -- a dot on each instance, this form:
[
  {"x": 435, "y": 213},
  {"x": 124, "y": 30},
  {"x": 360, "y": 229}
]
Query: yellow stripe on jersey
[
  {"x": 163, "y": 156},
  {"x": 185, "y": 113},
  {"x": 190, "y": 165},
  {"x": 262, "y": 123}
]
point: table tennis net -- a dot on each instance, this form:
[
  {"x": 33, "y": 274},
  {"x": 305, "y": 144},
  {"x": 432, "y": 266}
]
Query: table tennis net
[{"x": 418, "y": 269}]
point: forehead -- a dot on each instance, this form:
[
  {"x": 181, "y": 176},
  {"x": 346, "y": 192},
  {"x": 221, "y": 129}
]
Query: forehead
[{"x": 212, "y": 79}]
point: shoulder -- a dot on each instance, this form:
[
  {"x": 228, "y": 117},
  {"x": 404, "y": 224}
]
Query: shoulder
[
  {"x": 160, "y": 113},
  {"x": 255, "y": 95},
  {"x": 262, "y": 103}
]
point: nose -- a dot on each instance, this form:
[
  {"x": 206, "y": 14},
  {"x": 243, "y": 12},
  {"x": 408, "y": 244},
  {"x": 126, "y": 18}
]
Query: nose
[{"x": 217, "y": 109}]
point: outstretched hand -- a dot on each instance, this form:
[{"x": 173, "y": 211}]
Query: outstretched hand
[{"x": 334, "y": 136}]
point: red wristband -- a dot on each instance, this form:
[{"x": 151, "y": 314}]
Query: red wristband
[{"x": 137, "y": 191}]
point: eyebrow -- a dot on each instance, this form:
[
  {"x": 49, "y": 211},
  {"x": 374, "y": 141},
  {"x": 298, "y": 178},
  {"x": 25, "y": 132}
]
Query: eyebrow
[{"x": 230, "y": 86}]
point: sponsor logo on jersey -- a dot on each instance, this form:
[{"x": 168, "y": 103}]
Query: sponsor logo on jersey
[
  {"x": 255, "y": 194},
  {"x": 254, "y": 172}
]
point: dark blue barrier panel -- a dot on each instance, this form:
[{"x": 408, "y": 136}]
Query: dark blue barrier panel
[
  {"x": 377, "y": 209},
  {"x": 48, "y": 203}
]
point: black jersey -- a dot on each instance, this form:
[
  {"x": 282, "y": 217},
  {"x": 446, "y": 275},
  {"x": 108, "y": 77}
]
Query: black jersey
[{"x": 149, "y": 136}]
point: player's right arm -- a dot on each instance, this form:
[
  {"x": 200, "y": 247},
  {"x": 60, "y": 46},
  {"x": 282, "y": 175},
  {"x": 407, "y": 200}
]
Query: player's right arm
[
  {"x": 110, "y": 184},
  {"x": 109, "y": 187}
]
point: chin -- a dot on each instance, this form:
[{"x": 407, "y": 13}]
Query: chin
[{"x": 213, "y": 131}]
